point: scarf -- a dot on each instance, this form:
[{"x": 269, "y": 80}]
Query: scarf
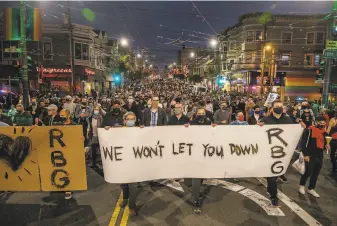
[{"x": 318, "y": 134}]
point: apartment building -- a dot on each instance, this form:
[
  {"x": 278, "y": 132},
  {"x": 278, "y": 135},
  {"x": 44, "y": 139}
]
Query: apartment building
[{"x": 293, "y": 43}]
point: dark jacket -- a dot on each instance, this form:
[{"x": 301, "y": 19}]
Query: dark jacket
[
  {"x": 271, "y": 120},
  {"x": 49, "y": 121},
  {"x": 110, "y": 119},
  {"x": 207, "y": 121},
  {"x": 252, "y": 119},
  {"x": 23, "y": 119},
  {"x": 175, "y": 121},
  {"x": 41, "y": 113},
  {"x": 6, "y": 119},
  {"x": 308, "y": 144},
  {"x": 162, "y": 120}
]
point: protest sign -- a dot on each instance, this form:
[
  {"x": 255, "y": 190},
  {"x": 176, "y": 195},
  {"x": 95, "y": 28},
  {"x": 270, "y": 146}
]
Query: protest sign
[
  {"x": 42, "y": 158},
  {"x": 134, "y": 154},
  {"x": 271, "y": 98}
]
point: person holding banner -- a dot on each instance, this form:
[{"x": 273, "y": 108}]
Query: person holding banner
[
  {"x": 332, "y": 130},
  {"x": 276, "y": 117},
  {"x": 200, "y": 119},
  {"x": 313, "y": 144},
  {"x": 95, "y": 123},
  {"x": 129, "y": 190}
]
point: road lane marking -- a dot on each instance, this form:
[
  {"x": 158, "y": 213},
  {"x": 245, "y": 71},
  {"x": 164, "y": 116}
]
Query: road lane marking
[
  {"x": 125, "y": 216},
  {"x": 293, "y": 206},
  {"x": 116, "y": 211},
  {"x": 259, "y": 199}
]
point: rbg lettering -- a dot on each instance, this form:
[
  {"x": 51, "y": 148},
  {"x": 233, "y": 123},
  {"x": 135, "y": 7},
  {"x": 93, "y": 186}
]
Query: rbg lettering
[
  {"x": 59, "y": 177},
  {"x": 277, "y": 151}
]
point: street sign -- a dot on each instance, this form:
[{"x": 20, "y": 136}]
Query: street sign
[
  {"x": 330, "y": 54},
  {"x": 331, "y": 44}
]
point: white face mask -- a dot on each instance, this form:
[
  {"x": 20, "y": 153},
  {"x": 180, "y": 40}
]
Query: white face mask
[
  {"x": 96, "y": 112},
  {"x": 130, "y": 101}
]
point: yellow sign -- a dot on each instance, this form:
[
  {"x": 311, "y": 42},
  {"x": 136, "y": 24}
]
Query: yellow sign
[
  {"x": 42, "y": 158},
  {"x": 331, "y": 44}
]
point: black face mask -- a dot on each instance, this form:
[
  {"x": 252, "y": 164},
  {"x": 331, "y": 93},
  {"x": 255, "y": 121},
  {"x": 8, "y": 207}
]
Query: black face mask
[
  {"x": 172, "y": 106},
  {"x": 257, "y": 112},
  {"x": 208, "y": 102},
  {"x": 304, "y": 107},
  {"x": 84, "y": 103},
  {"x": 116, "y": 111},
  {"x": 278, "y": 110}
]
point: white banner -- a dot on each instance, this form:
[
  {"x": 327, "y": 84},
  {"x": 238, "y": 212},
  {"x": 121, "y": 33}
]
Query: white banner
[{"x": 134, "y": 154}]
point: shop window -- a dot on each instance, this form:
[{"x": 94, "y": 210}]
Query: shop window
[
  {"x": 308, "y": 60},
  {"x": 319, "y": 37}
]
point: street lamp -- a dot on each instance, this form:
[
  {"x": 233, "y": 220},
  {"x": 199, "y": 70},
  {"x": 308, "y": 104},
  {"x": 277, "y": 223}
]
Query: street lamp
[
  {"x": 268, "y": 47},
  {"x": 213, "y": 42},
  {"x": 146, "y": 61},
  {"x": 139, "y": 55},
  {"x": 192, "y": 55},
  {"x": 124, "y": 42},
  {"x": 174, "y": 64},
  {"x": 151, "y": 65}
]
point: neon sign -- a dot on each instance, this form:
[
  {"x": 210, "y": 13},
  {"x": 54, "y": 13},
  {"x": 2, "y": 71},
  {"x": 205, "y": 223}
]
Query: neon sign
[
  {"x": 54, "y": 70},
  {"x": 89, "y": 72}
]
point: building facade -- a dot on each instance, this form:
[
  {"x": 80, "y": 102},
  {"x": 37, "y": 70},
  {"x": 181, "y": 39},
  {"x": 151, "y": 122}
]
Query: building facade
[{"x": 290, "y": 46}]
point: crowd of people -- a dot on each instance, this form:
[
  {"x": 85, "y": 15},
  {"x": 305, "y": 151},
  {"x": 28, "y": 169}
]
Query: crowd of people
[{"x": 166, "y": 102}]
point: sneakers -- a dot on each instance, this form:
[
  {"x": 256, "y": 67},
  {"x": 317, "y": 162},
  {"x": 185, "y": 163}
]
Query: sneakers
[
  {"x": 275, "y": 203},
  {"x": 68, "y": 195},
  {"x": 301, "y": 190},
  {"x": 313, "y": 193},
  {"x": 197, "y": 208},
  {"x": 283, "y": 179},
  {"x": 124, "y": 203}
]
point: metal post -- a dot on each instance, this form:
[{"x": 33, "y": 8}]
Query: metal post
[
  {"x": 71, "y": 57},
  {"x": 327, "y": 65},
  {"x": 24, "y": 54}
]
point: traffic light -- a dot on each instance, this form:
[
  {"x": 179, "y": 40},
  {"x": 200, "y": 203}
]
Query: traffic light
[
  {"x": 220, "y": 81},
  {"x": 320, "y": 71}
]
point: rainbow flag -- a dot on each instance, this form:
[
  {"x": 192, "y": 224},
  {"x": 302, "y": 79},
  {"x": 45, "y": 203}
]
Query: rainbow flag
[{"x": 33, "y": 24}]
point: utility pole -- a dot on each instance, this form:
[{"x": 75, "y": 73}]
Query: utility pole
[
  {"x": 263, "y": 58},
  {"x": 328, "y": 62},
  {"x": 24, "y": 54},
  {"x": 71, "y": 57}
]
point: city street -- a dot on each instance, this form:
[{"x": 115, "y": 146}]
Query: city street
[{"x": 225, "y": 203}]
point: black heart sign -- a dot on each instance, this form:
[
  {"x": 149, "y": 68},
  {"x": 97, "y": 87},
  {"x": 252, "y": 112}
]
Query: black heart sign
[{"x": 14, "y": 152}]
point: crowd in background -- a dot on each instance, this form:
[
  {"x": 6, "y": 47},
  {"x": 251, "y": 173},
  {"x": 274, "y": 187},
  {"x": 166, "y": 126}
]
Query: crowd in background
[{"x": 161, "y": 102}]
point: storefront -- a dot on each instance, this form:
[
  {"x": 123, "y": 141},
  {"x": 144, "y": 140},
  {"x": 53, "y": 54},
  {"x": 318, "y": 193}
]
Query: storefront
[
  {"x": 90, "y": 79},
  {"x": 56, "y": 78}
]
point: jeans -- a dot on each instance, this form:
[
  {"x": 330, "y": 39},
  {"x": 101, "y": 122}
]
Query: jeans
[
  {"x": 196, "y": 185},
  {"x": 130, "y": 193},
  {"x": 272, "y": 187},
  {"x": 94, "y": 153},
  {"x": 333, "y": 155},
  {"x": 312, "y": 169}
]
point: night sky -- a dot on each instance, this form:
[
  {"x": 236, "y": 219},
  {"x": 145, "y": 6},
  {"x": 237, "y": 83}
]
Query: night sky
[{"x": 155, "y": 25}]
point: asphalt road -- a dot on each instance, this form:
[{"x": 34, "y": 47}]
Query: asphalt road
[{"x": 225, "y": 202}]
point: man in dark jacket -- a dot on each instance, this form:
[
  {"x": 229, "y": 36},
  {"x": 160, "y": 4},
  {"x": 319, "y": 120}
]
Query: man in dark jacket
[
  {"x": 53, "y": 116},
  {"x": 275, "y": 118},
  {"x": 256, "y": 117},
  {"x": 178, "y": 118},
  {"x": 154, "y": 116},
  {"x": 22, "y": 118},
  {"x": 313, "y": 144},
  {"x": 113, "y": 118}
]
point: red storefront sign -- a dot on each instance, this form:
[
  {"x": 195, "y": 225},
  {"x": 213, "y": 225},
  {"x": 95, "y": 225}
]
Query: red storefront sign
[
  {"x": 54, "y": 70},
  {"x": 89, "y": 72}
]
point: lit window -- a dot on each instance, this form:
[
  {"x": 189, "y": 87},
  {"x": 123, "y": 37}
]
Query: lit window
[
  {"x": 258, "y": 36},
  {"x": 317, "y": 59},
  {"x": 285, "y": 58}
]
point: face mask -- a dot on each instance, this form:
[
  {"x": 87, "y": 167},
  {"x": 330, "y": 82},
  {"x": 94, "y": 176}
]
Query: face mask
[
  {"x": 130, "y": 101},
  {"x": 172, "y": 106},
  {"x": 304, "y": 107},
  {"x": 177, "y": 111},
  {"x": 63, "y": 119},
  {"x": 130, "y": 123},
  {"x": 96, "y": 112},
  {"x": 116, "y": 111},
  {"x": 223, "y": 107},
  {"x": 208, "y": 102},
  {"x": 68, "y": 100},
  {"x": 84, "y": 103},
  {"x": 33, "y": 103},
  {"x": 241, "y": 118},
  {"x": 257, "y": 112},
  {"x": 201, "y": 118},
  {"x": 278, "y": 110}
]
